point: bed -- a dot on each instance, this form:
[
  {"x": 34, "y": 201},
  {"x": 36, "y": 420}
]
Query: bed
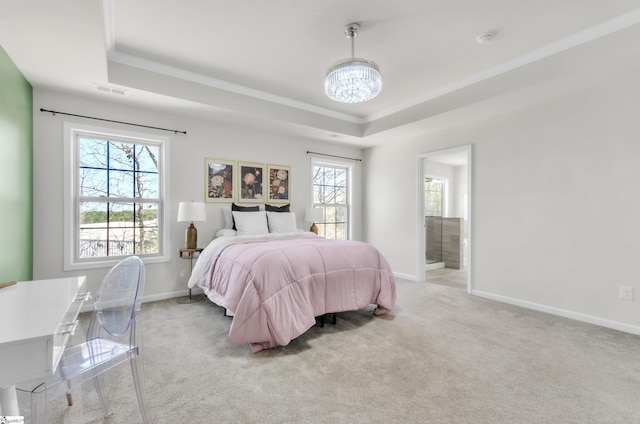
[{"x": 275, "y": 283}]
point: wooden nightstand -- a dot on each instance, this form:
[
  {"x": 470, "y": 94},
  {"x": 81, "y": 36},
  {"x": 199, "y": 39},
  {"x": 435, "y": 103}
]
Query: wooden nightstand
[{"x": 190, "y": 253}]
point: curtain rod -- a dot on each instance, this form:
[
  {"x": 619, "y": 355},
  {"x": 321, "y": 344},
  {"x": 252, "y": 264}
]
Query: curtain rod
[
  {"x": 54, "y": 112},
  {"x": 334, "y": 156}
]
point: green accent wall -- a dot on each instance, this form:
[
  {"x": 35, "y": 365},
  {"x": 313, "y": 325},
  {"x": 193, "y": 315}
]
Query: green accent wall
[{"x": 16, "y": 173}]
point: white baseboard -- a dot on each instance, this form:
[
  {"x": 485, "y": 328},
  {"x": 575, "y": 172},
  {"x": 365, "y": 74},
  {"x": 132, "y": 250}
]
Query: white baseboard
[
  {"x": 88, "y": 306},
  {"x": 405, "y": 276},
  {"x": 431, "y": 267},
  {"x": 171, "y": 295},
  {"x": 615, "y": 325}
]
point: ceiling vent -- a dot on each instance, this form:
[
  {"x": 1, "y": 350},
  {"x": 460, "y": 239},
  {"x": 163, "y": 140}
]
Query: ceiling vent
[{"x": 111, "y": 90}]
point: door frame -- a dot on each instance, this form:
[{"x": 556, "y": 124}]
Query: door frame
[{"x": 422, "y": 243}]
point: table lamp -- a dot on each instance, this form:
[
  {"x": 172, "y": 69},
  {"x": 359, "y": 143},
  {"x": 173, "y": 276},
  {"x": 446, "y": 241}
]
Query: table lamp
[
  {"x": 190, "y": 212},
  {"x": 314, "y": 215}
]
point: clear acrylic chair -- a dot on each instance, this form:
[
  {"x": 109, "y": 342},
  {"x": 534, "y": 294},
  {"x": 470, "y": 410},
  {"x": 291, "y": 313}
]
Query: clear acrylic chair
[{"x": 113, "y": 337}]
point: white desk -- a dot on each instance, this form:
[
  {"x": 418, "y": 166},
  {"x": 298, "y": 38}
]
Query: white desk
[{"x": 38, "y": 317}]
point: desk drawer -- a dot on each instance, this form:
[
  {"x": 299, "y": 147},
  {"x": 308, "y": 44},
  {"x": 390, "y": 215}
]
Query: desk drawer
[{"x": 68, "y": 325}]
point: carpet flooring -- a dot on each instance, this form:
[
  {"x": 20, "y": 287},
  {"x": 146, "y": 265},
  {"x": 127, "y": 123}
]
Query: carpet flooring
[{"x": 441, "y": 356}]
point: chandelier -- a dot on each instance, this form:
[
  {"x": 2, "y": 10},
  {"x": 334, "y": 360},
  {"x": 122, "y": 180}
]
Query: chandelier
[{"x": 353, "y": 80}]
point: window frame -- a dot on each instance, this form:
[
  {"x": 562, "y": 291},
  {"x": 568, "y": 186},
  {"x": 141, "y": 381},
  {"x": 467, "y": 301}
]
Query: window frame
[
  {"x": 72, "y": 197},
  {"x": 349, "y": 167}
]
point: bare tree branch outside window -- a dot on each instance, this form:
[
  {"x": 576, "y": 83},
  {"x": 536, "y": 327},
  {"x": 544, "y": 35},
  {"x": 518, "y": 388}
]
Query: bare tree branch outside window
[
  {"x": 118, "y": 198},
  {"x": 330, "y": 192}
]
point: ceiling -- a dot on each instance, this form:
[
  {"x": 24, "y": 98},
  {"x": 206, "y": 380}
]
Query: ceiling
[{"x": 262, "y": 63}]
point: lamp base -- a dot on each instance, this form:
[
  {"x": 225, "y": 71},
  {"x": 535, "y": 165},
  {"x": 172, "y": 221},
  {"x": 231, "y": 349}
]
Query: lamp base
[
  {"x": 314, "y": 228},
  {"x": 191, "y": 237}
]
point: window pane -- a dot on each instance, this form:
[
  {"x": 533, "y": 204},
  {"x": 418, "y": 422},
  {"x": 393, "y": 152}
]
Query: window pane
[
  {"x": 341, "y": 196},
  {"x": 147, "y": 241},
  {"x": 341, "y": 231},
  {"x": 121, "y": 230},
  {"x": 93, "y": 182},
  {"x": 330, "y": 231},
  {"x": 120, "y": 155},
  {"x": 318, "y": 194},
  {"x": 93, "y": 215},
  {"x": 330, "y": 177},
  {"x": 93, "y": 153},
  {"x": 121, "y": 184},
  {"x": 121, "y": 214},
  {"x": 328, "y": 195},
  {"x": 147, "y": 186},
  {"x": 147, "y": 228},
  {"x": 120, "y": 247},
  {"x": 147, "y": 214},
  {"x": 329, "y": 214},
  {"x": 341, "y": 214},
  {"x": 147, "y": 157},
  {"x": 93, "y": 243},
  {"x": 341, "y": 177},
  {"x": 318, "y": 177}
]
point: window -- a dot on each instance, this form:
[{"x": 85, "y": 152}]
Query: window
[
  {"x": 331, "y": 191},
  {"x": 433, "y": 196},
  {"x": 115, "y": 196}
]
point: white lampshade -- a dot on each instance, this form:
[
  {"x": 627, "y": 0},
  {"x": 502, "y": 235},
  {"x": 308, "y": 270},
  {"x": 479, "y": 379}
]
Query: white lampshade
[
  {"x": 191, "y": 212},
  {"x": 314, "y": 214}
]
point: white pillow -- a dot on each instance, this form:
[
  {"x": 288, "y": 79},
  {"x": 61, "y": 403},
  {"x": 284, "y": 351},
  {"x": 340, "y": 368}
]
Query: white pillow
[
  {"x": 250, "y": 222},
  {"x": 228, "y": 219},
  {"x": 281, "y": 222},
  {"x": 226, "y": 232}
]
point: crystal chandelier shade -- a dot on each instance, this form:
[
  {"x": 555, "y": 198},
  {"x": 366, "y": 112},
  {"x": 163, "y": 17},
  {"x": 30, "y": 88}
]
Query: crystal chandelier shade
[{"x": 353, "y": 80}]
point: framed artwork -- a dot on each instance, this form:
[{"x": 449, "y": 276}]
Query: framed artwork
[
  {"x": 279, "y": 184},
  {"x": 251, "y": 177},
  {"x": 219, "y": 184}
]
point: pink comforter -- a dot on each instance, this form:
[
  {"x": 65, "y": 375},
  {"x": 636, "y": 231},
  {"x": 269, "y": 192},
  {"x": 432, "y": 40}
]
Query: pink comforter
[{"x": 275, "y": 288}]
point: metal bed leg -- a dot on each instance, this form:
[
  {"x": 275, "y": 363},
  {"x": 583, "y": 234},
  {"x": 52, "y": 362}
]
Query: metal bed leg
[{"x": 334, "y": 319}]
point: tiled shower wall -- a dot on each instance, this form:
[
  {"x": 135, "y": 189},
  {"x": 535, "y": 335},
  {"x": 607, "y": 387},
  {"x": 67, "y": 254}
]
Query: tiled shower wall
[{"x": 444, "y": 241}]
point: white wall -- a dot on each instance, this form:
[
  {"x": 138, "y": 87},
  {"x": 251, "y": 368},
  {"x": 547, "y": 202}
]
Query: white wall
[
  {"x": 461, "y": 191},
  {"x": 205, "y": 138},
  {"x": 555, "y": 204}
]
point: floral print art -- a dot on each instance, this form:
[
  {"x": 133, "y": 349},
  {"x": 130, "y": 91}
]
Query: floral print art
[{"x": 279, "y": 183}]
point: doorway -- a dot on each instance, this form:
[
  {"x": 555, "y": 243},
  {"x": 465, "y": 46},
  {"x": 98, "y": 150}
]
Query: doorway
[{"x": 444, "y": 214}]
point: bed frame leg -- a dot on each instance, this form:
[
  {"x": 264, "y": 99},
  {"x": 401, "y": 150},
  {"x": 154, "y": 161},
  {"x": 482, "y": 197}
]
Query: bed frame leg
[{"x": 334, "y": 319}]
